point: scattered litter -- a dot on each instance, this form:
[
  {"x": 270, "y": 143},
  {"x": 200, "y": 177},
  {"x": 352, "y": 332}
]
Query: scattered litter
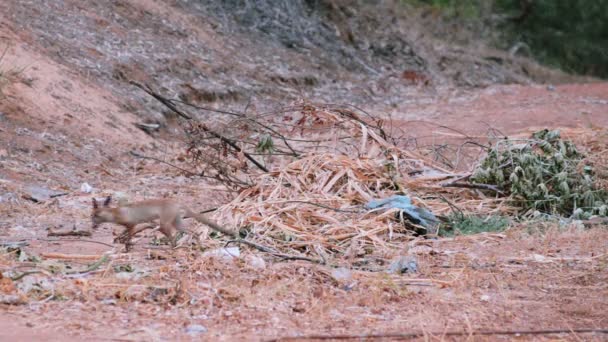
[
  {"x": 403, "y": 264},
  {"x": 11, "y": 299},
  {"x": 149, "y": 128},
  {"x": 195, "y": 329},
  {"x": 416, "y": 214},
  {"x": 342, "y": 274},
  {"x": 86, "y": 188},
  {"x": 109, "y": 301},
  {"x": 539, "y": 258},
  {"x": 133, "y": 275},
  {"x": 227, "y": 253}
]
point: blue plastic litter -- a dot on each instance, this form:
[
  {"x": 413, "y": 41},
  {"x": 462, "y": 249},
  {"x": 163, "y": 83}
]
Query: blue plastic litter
[{"x": 419, "y": 215}]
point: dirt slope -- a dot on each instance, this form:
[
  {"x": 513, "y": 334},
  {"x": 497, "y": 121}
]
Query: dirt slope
[{"x": 66, "y": 118}]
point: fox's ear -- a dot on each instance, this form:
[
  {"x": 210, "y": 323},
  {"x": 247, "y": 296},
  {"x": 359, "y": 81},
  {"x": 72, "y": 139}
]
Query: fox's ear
[
  {"x": 95, "y": 205},
  {"x": 107, "y": 201}
]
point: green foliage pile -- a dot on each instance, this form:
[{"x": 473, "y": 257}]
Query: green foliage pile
[
  {"x": 461, "y": 224},
  {"x": 543, "y": 174}
]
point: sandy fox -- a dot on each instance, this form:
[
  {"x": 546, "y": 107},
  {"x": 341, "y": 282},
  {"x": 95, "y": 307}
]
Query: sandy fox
[{"x": 169, "y": 213}]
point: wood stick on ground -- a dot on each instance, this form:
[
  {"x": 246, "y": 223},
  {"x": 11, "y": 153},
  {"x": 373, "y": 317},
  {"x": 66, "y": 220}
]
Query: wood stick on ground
[{"x": 62, "y": 256}]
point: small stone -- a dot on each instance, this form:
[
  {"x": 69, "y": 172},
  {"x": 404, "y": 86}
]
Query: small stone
[
  {"x": 539, "y": 258},
  {"x": 551, "y": 87},
  {"x": 227, "y": 253},
  {"x": 108, "y": 301},
  {"x": 195, "y": 329},
  {"x": 341, "y": 274},
  {"x": 255, "y": 261},
  {"x": 485, "y": 298}
]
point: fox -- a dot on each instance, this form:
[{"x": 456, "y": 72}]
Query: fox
[{"x": 169, "y": 212}]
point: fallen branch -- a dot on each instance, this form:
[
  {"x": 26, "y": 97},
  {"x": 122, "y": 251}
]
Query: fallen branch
[
  {"x": 62, "y": 256},
  {"x": 448, "y": 333},
  {"x": 474, "y": 186},
  {"x": 169, "y": 104}
]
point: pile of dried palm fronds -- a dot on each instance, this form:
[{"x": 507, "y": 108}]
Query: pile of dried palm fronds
[{"x": 316, "y": 203}]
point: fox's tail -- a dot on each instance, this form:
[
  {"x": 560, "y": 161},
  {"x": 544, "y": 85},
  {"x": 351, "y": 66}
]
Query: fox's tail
[{"x": 200, "y": 218}]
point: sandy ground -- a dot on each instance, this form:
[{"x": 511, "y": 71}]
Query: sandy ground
[{"x": 59, "y": 129}]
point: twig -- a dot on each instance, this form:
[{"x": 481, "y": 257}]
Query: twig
[
  {"x": 208, "y": 210},
  {"x": 324, "y": 206},
  {"x": 171, "y": 106},
  {"x": 452, "y": 205},
  {"x": 138, "y": 155},
  {"x": 448, "y": 333},
  {"x": 19, "y": 276},
  {"x": 69, "y": 256},
  {"x": 3, "y": 53},
  {"x": 79, "y": 240},
  {"x": 474, "y": 186},
  {"x": 93, "y": 266},
  {"x": 272, "y": 252}
]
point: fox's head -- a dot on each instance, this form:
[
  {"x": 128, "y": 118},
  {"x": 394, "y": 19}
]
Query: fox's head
[{"x": 103, "y": 213}]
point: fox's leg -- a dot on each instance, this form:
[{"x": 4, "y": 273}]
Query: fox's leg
[
  {"x": 179, "y": 225},
  {"x": 167, "y": 227},
  {"x": 130, "y": 232},
  {"x": 123, "y": 236}
]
